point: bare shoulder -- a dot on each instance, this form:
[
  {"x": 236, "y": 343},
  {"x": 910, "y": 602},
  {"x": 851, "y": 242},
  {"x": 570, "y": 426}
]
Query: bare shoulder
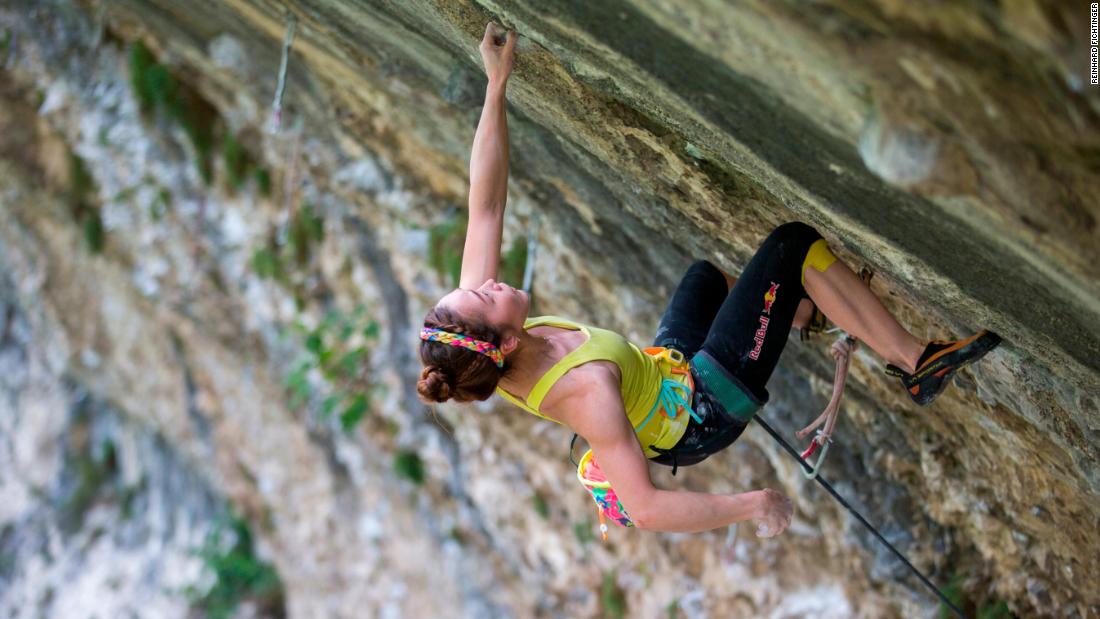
[{"x": 589, "y": 389}]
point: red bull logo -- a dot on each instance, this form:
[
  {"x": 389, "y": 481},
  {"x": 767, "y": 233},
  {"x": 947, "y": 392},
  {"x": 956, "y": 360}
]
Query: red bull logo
[{"x": 769, "y": 297}]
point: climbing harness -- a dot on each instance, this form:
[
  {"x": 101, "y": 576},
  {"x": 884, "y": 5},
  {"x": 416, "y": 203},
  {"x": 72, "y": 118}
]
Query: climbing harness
[
  {"x": 675, "y": 394},
  {"x": 277, "y": 104}
]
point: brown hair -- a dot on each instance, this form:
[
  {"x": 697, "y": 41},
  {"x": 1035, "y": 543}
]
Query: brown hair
[{"x": 453, "y": 372}]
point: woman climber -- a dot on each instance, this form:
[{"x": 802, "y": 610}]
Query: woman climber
[{"x": 720, "y": 340}]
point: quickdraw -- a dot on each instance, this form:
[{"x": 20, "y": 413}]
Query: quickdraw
[{"x": 841, "y": 351}]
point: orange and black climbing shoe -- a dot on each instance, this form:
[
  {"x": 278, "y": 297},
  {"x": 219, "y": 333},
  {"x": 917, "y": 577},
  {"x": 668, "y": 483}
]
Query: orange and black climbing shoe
[{"x": 939, "y": 362}]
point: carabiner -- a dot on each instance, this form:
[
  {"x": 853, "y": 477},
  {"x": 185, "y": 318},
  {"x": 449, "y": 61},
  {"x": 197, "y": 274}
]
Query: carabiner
[{"x": 814, "y": 444}]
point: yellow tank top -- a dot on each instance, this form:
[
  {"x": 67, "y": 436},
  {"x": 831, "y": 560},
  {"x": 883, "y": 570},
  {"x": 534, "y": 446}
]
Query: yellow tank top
[{"x": 641, "y": 382}]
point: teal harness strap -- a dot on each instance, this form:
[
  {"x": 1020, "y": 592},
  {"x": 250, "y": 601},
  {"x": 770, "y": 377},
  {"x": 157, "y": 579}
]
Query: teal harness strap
[
  {"x": 671, "y": 397},
  {"x": 735, "y": 398}
]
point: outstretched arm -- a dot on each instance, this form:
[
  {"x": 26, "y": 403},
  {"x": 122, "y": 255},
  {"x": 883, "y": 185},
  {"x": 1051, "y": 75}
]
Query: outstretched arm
[
  {"x": 489, "y": 164},
  {"x": 600, "y": 418}
]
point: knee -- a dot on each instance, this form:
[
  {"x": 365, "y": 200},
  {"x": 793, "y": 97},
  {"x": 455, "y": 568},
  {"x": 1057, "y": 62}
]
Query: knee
[
  {"x": 793, "y": 239},
  {"x": 794, "y": 230},
  {"x": 705, "y": 269}
]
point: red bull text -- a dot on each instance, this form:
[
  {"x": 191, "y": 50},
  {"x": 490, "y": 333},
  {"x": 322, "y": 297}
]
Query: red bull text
[{"x": 769, "y": 299}]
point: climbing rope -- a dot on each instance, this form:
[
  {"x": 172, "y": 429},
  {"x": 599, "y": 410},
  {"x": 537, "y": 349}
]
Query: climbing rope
[
  {"x": 532, "y": 251},
  {"x": 290, "y": 183},
  {"x": 277, "y": 104},
  {"x": 839, "y": 499}
]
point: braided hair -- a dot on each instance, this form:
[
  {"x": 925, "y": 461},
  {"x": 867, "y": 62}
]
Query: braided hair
[{"x": 452, "y": 372}]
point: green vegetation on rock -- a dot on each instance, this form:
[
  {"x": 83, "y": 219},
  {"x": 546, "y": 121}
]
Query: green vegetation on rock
[
  {"x": 307, "y": 230},
  {"x": 238, "y": 574},
  {"x": 263, "y": 181},
  {"x": 447, "y": 239},
  {"x": 287, "y": 255},
  {"x": 582, "y": 531},
  {"x": 336, "y": 349},
  {"x": 239, "y": 165},
  {"x": 158, "y": 91},
  {"x": 93, "y": 470},
  {"x": 84, "y": 211},
  {"x": 612, "y": 600},
  {"x": 513, "y": 263},
  {"x": 266, "y": 264},
  {"x": 160, "y": 204},
  {"x": 445, "y": 243},
  {"x": 8, "y": 558},
  {"x": 93, "y": 232},
  {"x": 540, "y": 505},
  {"x": 235, "y": 160},
  {"x": 989, "y": 609},
  {"x": 408, "y": 465}
]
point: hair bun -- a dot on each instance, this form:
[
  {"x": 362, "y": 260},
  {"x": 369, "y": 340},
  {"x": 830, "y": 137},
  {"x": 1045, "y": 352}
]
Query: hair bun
[{"x": 436, "y": 384}]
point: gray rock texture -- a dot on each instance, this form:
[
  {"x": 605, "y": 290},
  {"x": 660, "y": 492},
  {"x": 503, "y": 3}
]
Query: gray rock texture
[{"x": 952, "y": 147}]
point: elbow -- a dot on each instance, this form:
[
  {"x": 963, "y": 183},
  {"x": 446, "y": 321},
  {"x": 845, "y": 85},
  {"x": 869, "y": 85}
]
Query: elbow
[
  {"x": 641, "y": 514},
  {"x": 641, "y": 522},
  {"x": 489, "y": 207},
  {"x": 645, "y": 521}
]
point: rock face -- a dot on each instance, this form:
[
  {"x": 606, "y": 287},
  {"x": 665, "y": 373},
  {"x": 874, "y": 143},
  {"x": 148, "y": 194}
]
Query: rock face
[{"x": 177, "y": 277}]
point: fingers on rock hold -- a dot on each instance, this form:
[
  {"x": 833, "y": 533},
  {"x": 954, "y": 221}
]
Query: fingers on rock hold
[{"x": 495, "y": 34}]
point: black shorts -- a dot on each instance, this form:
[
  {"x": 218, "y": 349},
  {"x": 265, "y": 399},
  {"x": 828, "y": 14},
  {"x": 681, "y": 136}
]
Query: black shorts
[{"x": 744, "y": 330}]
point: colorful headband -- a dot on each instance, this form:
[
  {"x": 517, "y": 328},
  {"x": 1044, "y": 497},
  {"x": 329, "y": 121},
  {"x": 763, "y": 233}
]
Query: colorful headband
[{"x": 463, "y": 341}]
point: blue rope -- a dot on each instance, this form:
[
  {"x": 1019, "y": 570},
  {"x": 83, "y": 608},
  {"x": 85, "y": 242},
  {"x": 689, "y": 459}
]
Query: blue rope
[{"x": 672, "y": 396}]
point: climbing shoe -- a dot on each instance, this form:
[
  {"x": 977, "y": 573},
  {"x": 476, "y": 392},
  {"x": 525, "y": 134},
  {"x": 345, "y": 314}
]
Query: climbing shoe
[{"x": 939, "y": 362}]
